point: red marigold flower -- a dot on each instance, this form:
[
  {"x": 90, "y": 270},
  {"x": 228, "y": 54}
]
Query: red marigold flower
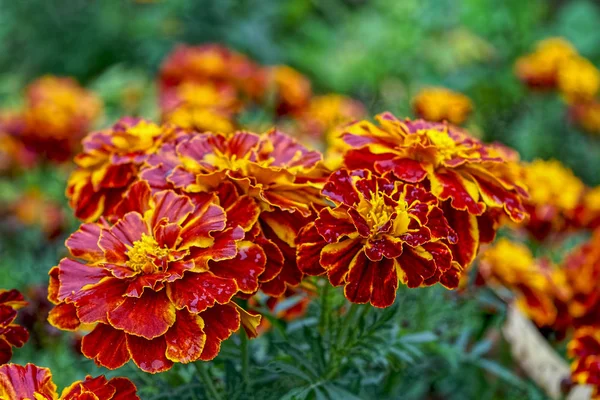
[
  {"x": 28, "y": 382},
  {"x": 377, "y": 233},
  {"x": 281, "y": 177},
  {"x": 57, "y": 114},
  {"x": 477, "y": 182},
  {"x": 109, "y": 164},
  {"x": 584, "y": 349},
  {"x": 439, "y": 104},
  {"x": 212, "y": 63},
  {"x": 159, "y": 282},
  {"x": 11, "y": 335},
  {"x": 292, "y": 90}
]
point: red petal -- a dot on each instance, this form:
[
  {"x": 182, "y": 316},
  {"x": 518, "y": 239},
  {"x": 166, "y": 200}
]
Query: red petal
[
  {"x": 185, "y": 340},
  {"x": 106, "y": 346},
  {"x": 84, "y": 242},
  {"x": 339, "y": 188},
  {"x": 417, "y": 266},
  {"x": 336, "y": 259},
  {"x": 386, "y": 246},
  {"x": 94, "y": 302},
  {"x": 5, "y": 355},
  {"x": 333, "y": 224},
  {"x": 149, "y": 355},
  {"x": 26, "y": 382},
  {"x": 128, "y": 230},
  {"x": 219, "y": 323},
  {"x": 73, "y": 276},
  {"x": 148, "y": 316},
  {"x": 245, "y": 268},
  {"x": 168, "y": 204},
  {"x": 64, "y": 316},
  {"x": 125, "y": 389},
  {"x": 274, "y": 262},
  {"x": 206, "y": 219},
  {"x": 449, "y": 185},
  {"x": 404, "y": 168},
  {"x": 244, "y": 212},
  {"x": 224, "y": 247},
  {"x": 310, "y": 244},
  {"x": 199, "y": 291},
  {"x": 16, "y": 335},
  {"x": 290, "y": 274},
  {"x": 466, "y": 228},
  {"x": 167, "y": 234},
  {"x": 136, "y": 199},
  {"x": 369, "y": 281}
]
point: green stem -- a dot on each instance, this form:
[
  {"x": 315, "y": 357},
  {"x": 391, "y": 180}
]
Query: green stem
[
  {"x": 348, "y": 318},
  {"x": 205, "y": 377},
  {"x": 245, "y": 359},
  {"x": 325, "y": 308}
]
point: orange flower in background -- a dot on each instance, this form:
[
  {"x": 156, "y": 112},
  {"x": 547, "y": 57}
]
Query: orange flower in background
[
  {"x": 159, "y": 283},
  {"x": 578, "y": 79},
  {"x": 58, "y": 113},
  {"x": 13, "y": 153},
  {"x": 200, "y": 107},
  {"x": 292, "y": 90},
  {"x": 477, "y": 182},
  {"x": 327, "y": 112},
  {"x": 439, "y": 104},
  {"x": 11, "y": 334},
  {"x": 540, "y": 69},
  {"x": 109, "y": 163},
  {"x": 31, "y": 382},
  {"x": 212, "y": 63},
  {"x": 588, "y": 209},
  {"x": 34, "y": 209},
  {"x": 512, "y": 265},
  {"x": 586, "y": 115},
  {"x": 281, "y": 177},
  {"x": 584, "y": 349},
  {"x": 377, "y": 232},
  {"x": 554, "y": 194}
]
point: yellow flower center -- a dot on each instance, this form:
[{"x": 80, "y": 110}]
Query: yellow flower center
[
  {"x": 446, "y": 147},
  {"x": 144, "y": 254},
  {"x": 377, "y": 214},
  {"x": 231, "y": 162}
]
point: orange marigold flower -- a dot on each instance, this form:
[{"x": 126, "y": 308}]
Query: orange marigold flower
[
  {"x": 588, "y": 209},
  {"x": 512, "y": 265},
  {"x": 377, "y": 232},
  {"x": 578, "y": 79},
  {"x": 327, "y": 112},
  {"x": 212, "y": 63},
  {"x": 11, "y": 334},
  {"x": 439, "y": 104},
  {"x": 540, "y": 68},
  {"x": 57, "y": 114},
  {"x": 292, "y": 90},
  {"x": 200, "y": 107},
  {"x": 586, "y": 115},
  {"x": 584, "y": 349},
  {"x": 477, "y": 182},
  {"x": 554, "y": 194},
  {"x": 282, "y": 177},
  {"x": 109, "y": 164},
  {"x": 159, "y": 282},
  {"x": 35, "y": 209},
  {"x": 30, "y": 382}
]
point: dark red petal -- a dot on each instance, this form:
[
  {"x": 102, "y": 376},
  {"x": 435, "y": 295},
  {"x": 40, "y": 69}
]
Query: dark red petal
[
  {"x": 244, "y": 212},
  {"x": 149, "y": 355},
  {"x": 125, "y": 389},
  {"x": 73, "y": 276},
  {"x": 94, "y": 302},
  {"x": 467, "y": 231},
  {"x": 404, "y": 168},
  {"x": 136, "y": 199},
  {"x": 219, "y": 323},
  {"x": 84, "y": 242},
  {"x": 185, "y": 340},
  {"x": 274, "y": 262},
  {"x": 199, "y": 291},
  {"x": 417, "y": 265},
  {"x": 308, "y": 251},
  {"x": 360, "y": 223},
  {"x": 244, "y": 269},
  {"x": 148, "y": 316},
  {"x": 168, "y": 204},
  {"x": 374, "y": 282},
  {"x": 106, "y": 346},
  {"x": 336, "y": 259},
  {"x": 197, "y": 229},
  {"x": 16, "y": 335},
  {"x": 127, "y": 231},
  {"x": 332, "y": 224},
  {"x": 451, "y": 185},
  {"x": 5, "y": 353},
  {"x": 386, "y": 246},
  {"x": 339, "y": 188},
  {"x": 64, "y": 316}
]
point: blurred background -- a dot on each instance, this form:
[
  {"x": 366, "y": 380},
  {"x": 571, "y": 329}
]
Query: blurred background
[{"x": 380, "y": 52}]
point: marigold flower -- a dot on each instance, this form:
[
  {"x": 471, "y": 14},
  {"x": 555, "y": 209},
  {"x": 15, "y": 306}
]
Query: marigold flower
[
  {"x": 57, "y": 114},
  {"x": 282, "y": 177},
  {"x": 377, "y": 232},
  {"x": 11, "y": 334},
  {"x": 578, "y": 79},
  {"x": 540, "y": 69},
  {"x": 439, "y": 104},
  {"x": 200, "y": 107},
  {"x": 512, "y": 265},
  {"x": 584, "y": 349},
  {"x": 212, "y": 63},
  {"x": 292, "y": 90},
  {"x": 477, "y": 182},
  {"x": 554, "y": 194},
  {"x": 30, "y": 382},
  {"x": 109, "y": 163},
  {"x": 35, "y": 209},
  {"x": 588, "y": 209},
  {"x": 586, "y": 115},
  {"x": 159, "y": 282}
]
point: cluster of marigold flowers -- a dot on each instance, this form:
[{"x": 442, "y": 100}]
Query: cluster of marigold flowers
[
  {"x": 559, "y": 293},
  {"x": 555, "y": 64}
]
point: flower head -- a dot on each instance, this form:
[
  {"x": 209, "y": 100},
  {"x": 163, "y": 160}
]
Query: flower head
[
  {"x": 33, "y": 208},
  {"x": 377, "y": 232},
  {"x": 586, "y": 115},
  {"x": 439, "y": 104},
  {"x": 476, "y": 182},
  {"x": 584, "y": 349},
  {"x": 57, "y": 114},
  {"x": 554, "y": 194},
  {"x": 158, "y": 283},
  {"x": 109, "y": 163},
  {"x": 292, "y": 90},
  {"x": 588, "y": 209},
  {"x": 11, "y": 334},
  {"x": 28, "y": 382},
  {"x": 540, "y": 68},
  {"x": 280, "y": 176},
  {"x": 578, "y": 79}
]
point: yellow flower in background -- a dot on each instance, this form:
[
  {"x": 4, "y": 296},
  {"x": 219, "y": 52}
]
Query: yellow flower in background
[
  {"x": 578, "y": 79},
  {"x": 439, "y": 104},
  {"x": 540, "y": 68},
  {"x": 586, "y": 115}
]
